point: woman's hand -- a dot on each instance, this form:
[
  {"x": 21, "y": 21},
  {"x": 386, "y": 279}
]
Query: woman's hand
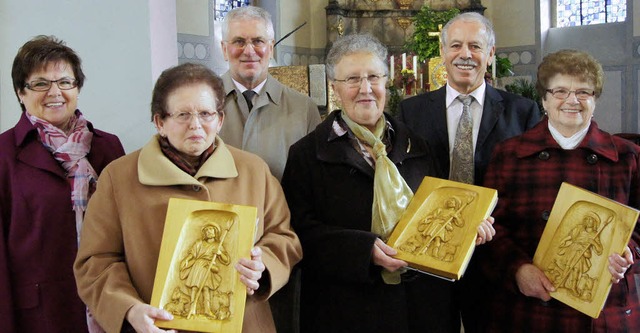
[
  {"x": 143, "y": 316},
  {"x": 485, "y": 231},
  {"x": 533, "y": 283},
  {"x": 618, "y": 264},
  {"x": 251, "y": 270},
  {"x": 382, "y": 256}
]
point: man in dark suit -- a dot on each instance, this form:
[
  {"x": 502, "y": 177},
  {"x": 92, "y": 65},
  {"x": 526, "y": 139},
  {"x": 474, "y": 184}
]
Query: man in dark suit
[{"x": 467, "y": 45}]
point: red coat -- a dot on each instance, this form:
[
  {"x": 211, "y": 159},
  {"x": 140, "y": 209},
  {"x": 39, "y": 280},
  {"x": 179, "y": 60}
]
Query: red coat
[
  {"x": 38, "y": 241},
  {"x": 527, "y": 172}
]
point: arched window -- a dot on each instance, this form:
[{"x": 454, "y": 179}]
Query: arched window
[
  {"x": 571, "y": 13},
  {"x": 222, "y": 7}
]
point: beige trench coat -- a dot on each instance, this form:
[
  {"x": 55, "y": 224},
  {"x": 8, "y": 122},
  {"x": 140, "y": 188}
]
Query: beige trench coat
[{"x": 122, "y": 232}]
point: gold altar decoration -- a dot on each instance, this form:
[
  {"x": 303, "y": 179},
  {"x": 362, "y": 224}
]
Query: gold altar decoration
[
  {"x": 296, "y": 77},
  {"x": 437, "y": 73},
  {"x": 437, "y": 232},
  {"x": 583, "y": 230},
  {"x": 195, "y": 278},
  {"x": 404, "y": 4}
]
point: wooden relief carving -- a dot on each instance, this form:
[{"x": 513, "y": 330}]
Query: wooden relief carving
[
  {"x": 434, "y": 233},
  {"x": 196, "y": 280},
  {"x": 575, "y": 260},
  {"x": 437, "y": 232},
  {"x": 583, "y": 230}
]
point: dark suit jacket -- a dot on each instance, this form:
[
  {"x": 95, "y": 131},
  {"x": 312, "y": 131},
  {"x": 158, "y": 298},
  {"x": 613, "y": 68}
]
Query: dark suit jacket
[
  {"x": 504, "y": 115},
  {"x": 38, "y": 239}
]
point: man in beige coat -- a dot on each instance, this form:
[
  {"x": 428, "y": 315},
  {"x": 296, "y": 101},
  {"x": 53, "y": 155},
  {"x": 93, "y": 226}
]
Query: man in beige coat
[{"x": 262, "y": 115}]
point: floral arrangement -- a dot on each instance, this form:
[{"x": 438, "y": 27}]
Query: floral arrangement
[{"x": 407, "y": 76}]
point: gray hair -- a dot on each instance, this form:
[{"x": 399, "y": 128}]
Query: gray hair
[
  {"x": 355, "y": 43},
  {"x": 471, "y": 17},
  {"x": 248, "y": 13}
]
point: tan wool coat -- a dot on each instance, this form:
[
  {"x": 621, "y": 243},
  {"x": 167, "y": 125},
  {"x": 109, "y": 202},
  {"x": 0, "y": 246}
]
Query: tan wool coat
[{"x": 122, "y": 232}]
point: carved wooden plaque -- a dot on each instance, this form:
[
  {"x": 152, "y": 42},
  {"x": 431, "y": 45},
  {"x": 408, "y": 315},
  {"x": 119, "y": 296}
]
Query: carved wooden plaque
[
  {"x": 582, "y": 231},
  {"x": 195, "y": 278},
  {"x": 437, "y": 232}
]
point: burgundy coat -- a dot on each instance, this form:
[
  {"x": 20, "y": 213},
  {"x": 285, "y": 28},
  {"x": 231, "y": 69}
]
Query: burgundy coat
[
  {"x": 38, "y": 240},
  {"x": 527, "y": 171}
]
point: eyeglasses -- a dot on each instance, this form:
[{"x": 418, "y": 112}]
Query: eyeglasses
[
  {"x": 185, "y": 117},
  {"x": 581, "y": 94},
  {"x": 64, "y": 83},
  {"x": 356, "y": 81},
  {"x": 241, "y": 43}
]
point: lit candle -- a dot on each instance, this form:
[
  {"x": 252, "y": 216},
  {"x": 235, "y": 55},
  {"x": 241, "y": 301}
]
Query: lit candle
[
  {"x": 415, "y": 67},
  {"x": 421, "y": 76},
  {"x": 392, "y": 67},
  {"x": 404, "y": 61},
  {"x": 493, "y": 70}
]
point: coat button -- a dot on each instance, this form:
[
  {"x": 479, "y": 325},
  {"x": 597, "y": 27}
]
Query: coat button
[
  {"x": 627, "y": 312},
  {"x": 544, "y": 155},
  {"x": 545, "y": 215},
  {"x": 592, "y": 158},
  {"x": 196, "y": 188}
]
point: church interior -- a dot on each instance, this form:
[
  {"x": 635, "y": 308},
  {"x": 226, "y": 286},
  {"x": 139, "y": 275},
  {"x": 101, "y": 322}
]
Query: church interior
[{"x": 125, "y": 45}]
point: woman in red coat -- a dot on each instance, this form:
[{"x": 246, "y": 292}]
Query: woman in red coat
[
  {"x": 527, "y": 171},
  {"x": 49, "y": 163}
]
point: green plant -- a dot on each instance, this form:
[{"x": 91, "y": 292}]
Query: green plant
[
  {"x": 503, "y": 68},
  {"x": 395, "y": 98},
  {"x": 525, "y": 88},
  {"x": 424, "y": 43}
]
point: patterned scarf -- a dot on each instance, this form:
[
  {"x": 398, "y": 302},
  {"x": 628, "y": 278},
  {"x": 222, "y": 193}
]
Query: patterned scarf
[
  {"x": 71, "y": 151},
  {"x": 391, "y": 194},
  {"x": 177, "y": 157}
]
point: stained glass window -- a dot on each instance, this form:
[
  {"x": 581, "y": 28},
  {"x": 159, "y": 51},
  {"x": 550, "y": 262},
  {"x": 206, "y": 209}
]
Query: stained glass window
[
  {"x": 222, "y": 7},
  {"x": 572, "y": 13}
]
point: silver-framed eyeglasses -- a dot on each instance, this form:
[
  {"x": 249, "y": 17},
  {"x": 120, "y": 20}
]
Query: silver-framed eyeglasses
[
  {"x": 185, "y": 117},
  {"x": 65, "y": 83},
  {"x": 356, "y": 81},
  {"x": 581, "y": 94},
  {"x": 241, "y": 43}
]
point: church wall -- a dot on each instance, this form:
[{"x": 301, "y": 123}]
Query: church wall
[{"x": 118, "y": 42}]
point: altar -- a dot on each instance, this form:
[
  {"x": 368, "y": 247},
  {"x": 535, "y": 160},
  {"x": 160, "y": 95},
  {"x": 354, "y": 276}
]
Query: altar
[{"x": 392, "y": 22}]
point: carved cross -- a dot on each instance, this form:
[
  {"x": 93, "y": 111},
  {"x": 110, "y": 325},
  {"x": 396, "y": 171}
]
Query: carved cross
[{"x": 436, "y": 33}]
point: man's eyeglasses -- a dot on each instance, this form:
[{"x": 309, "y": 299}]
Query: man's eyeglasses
[
  {"x": 64, "y": 83},
  {"x": 241, "y": 43},
  {"x": 356, "y": 81},
  {"x": 581, "y": 94},
  {"x": 185, "y": 117}
]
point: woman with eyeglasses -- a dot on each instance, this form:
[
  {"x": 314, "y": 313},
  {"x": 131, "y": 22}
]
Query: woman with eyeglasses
[
  {"x": 49, "y": 163},
  {"x": 527, "y": 171},
  {"x": 347, "y": 183},
  {"x": 120, "y": 243}
]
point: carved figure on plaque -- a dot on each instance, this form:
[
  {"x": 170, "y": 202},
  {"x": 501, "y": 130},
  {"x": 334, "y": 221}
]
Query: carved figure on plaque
[
  {"x": 200, "y": 280},
  {"x": 435, "y": 231},
  {"x": 200, "y": 269},
  {"x": 574, "y": 258}
]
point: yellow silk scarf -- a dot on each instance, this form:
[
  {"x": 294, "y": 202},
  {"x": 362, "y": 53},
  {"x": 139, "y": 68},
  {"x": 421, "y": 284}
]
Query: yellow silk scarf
[{"x": 391, "y": 194}]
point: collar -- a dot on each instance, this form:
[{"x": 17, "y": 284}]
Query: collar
[
  {"x": 477, "y": 94},
  {"x": 272, "y": 89},
  {"x": 155, "y": 169},
  {"x": 539, "y": 138},
  {"x": 241, "y": 88}
]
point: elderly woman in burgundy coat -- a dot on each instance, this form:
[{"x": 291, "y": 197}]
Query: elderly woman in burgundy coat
[
  {"x": 49, "y": 163},
  {"x": 527, "y": 171}
]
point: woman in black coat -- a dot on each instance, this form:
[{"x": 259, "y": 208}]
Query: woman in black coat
[{"x": 329, "y": 184}]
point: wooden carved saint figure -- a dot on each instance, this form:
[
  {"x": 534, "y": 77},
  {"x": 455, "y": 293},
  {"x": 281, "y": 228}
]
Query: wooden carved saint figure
[
  {"x": 576, "y": 251},
  {"x": 199, "y": 270}
]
